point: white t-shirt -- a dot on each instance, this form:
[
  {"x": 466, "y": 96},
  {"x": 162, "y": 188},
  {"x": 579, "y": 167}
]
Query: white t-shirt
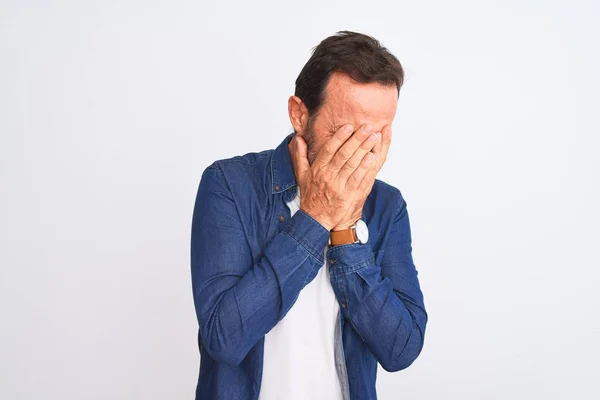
[{"x": 299, "y": 361}]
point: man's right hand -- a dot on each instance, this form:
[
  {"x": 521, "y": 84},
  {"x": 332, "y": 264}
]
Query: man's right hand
[{"x": 328, "y": 185}]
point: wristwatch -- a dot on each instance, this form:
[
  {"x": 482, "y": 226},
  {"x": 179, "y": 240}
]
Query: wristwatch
[{"x": 357, "y": 233}]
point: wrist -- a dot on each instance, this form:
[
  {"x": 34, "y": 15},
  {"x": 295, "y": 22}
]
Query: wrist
[
  {"x": 344, "y": 226},
  {"x": 317, "y": 218}
]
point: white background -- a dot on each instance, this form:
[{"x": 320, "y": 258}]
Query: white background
[{"x": 110, "y": 111}]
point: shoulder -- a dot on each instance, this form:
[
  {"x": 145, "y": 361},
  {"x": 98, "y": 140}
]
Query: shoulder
[
  {"x": 243, "y": 174},
  {"x": 386, "y": 196},
  {"x": 241, "y": 164}
]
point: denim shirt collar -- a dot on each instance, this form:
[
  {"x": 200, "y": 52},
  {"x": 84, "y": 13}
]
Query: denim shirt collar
[{"x": 282, "y": 171}]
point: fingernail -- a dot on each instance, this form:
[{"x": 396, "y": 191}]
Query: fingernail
[{"x": 348, "y": 128}]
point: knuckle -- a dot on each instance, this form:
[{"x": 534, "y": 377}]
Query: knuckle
[
  {"x": 352, "y": 181},
  {"x": 351, "y": 164},
  {"x": 343, "y": 153},
  {"x": 326, "y": 150}
]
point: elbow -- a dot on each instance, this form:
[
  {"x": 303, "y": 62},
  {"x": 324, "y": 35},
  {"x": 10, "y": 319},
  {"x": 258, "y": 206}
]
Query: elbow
[
  {"x": 224, "y": 354},
  {"x": 216, "y": 338},
  {"x": 408, "y": 355},
  {"x": 393, "y": 365},
  {"x": 220, "y": 346},
  {"x": 400, "y": 363}
]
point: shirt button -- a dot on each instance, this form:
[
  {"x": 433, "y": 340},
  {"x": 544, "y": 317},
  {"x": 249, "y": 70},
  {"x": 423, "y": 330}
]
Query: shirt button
[
  {"x": 332, "y": 261},
  {"x": 343, "y": 305},
  {"x": 281, "y": 218},
  {"x": 276, "y": 187}
]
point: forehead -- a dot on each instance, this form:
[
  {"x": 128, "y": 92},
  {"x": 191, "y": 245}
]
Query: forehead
[{"x": 347, "y": 101}]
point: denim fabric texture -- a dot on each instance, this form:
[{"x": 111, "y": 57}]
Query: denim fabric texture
[{"x": 250, "y": 260}]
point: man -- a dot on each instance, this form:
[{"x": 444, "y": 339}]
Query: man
[{"x": 302, "y": 268}]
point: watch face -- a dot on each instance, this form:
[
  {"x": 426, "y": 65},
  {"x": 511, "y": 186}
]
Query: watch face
[{"x": 362, "y": 231}]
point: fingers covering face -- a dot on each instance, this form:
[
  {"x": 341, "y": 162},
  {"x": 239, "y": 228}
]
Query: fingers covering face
[
  {"x": 365, "y": 149},
  {"x": 329, "y": 149}
]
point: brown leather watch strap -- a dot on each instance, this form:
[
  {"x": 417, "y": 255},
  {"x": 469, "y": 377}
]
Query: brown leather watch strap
[{"x": 345, "y": 236}]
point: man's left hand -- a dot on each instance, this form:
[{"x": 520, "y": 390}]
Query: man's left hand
[{"x": 380, "y": 151}]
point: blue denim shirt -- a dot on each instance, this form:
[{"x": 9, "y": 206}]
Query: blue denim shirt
[{"x": 250, "y": 260}]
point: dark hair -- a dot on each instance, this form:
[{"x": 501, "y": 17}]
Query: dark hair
[{"x": 360, "y": 56}]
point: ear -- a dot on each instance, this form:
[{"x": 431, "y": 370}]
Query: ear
[{"x": 298, "y": 114}]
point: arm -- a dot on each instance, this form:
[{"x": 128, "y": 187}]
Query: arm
[
  {"x": 238, "y": 300},
  {"x": 383, "y": 302}
]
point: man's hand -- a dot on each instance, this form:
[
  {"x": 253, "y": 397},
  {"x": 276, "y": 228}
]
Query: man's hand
[
  {"x": 354, "y": 212},
  {"x": 330, "y": 184}
]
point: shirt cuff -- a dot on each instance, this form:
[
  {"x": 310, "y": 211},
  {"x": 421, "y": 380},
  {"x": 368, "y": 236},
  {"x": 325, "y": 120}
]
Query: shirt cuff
[
  {"x": 309, "y": 233},
  {"x": 350, "y": 257}
]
